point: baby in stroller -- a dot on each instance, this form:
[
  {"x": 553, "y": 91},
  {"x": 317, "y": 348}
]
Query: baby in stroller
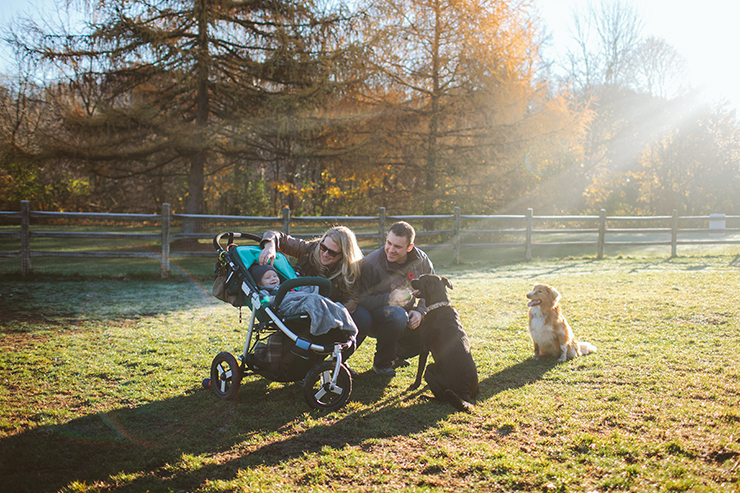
[{"x": 323, "y": 312}]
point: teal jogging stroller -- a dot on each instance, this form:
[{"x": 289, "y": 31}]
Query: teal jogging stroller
[{"x": 278, "y": 347}]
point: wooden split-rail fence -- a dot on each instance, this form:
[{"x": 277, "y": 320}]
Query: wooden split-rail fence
[{"x": 517, "y": 231}]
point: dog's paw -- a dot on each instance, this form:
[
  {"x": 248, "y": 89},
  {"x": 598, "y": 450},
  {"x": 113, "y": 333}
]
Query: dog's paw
[
  {"x": 562, "y": 359},
  {"x": 467, "y": 407},
  {"x": 457, "y": 402},
  {"x": 414, "y": 386}
]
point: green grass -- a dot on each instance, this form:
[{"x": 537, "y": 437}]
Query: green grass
[{"x": 100, "y": 389}]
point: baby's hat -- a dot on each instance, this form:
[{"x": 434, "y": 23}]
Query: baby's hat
[{"x": 258, "y": 271}]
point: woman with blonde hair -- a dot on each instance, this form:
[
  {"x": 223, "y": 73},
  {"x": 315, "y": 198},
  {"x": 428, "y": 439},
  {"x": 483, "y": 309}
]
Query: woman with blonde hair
[{"x": 336, "y": 256}]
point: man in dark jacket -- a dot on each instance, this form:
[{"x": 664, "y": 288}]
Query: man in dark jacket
[{"x": 385, "y": 291}]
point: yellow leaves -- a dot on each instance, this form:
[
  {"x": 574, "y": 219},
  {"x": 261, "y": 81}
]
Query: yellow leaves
[
  {"x": 77, "y": 186},
  {"x": 285, "y": 188},
  {"x": 304, "y": 192},
  {"x": 334, "y": 192},
  {"x": 337, "y": 183}
]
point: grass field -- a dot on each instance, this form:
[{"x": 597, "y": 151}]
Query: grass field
[{"x": 100, "y": 389}]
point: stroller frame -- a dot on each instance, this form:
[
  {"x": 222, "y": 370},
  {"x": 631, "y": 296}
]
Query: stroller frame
[{"x": 327, "y": 384}]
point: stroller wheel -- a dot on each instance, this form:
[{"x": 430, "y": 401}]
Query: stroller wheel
[
  {"x": 318, "y": 390},
  {"x": 226, "y": 375}
]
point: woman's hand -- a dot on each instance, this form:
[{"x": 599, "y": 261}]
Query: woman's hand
[{"x": 267, "y": 255}]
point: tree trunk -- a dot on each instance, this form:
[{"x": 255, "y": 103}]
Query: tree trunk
[
  {"x": 196, "y": 184},
  {"x": 431, "y": 175}
]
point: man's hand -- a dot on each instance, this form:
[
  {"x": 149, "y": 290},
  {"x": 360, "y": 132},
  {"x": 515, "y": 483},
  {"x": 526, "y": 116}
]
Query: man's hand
[
  {"x": 414, "y": 319},
  {"x": 267, "y": 255},
  {"x": 399, "y": 297}
]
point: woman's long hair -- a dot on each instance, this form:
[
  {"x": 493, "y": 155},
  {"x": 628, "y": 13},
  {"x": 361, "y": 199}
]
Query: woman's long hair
[{"x": 351, "y": 255}]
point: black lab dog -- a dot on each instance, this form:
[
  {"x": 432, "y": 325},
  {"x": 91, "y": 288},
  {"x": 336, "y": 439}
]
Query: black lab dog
[{"x": 453, "y": 376}]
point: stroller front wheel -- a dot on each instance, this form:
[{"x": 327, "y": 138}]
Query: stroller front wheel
[
  {"x": 319, "y": 391},
  {"x": 226, "y": 376}
]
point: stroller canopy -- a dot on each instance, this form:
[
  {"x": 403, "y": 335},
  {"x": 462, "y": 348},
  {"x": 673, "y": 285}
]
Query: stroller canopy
[{"x": 249, "y": 255}]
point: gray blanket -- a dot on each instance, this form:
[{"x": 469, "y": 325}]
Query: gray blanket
[{"x": 325, "y": 314}]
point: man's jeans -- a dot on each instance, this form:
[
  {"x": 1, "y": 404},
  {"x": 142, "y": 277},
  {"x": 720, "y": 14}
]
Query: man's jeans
[
  {"x": 363, "y": 321},
  {"x": 389, "y": 323}
]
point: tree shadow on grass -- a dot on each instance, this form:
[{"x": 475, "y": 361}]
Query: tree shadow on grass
[
  {"x": 651, "y": 265},
  {"x": 563, "y": 267},
  {"x": 74, "y": 301},
  {"x": 516, "y": 376},
  {"x": 686, "y": 263},
  {"x": 146, "y": 448}
]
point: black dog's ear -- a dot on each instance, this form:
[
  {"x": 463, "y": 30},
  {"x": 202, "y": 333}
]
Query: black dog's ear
[
  {"x": 447, "y": 282},
  {"x": 415, "y": 283}
]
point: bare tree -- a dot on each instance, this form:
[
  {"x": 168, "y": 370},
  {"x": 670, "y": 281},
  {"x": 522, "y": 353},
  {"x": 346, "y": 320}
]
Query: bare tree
[
  {"x": 607, "y": 37},
  {"x": 659, "y": 69}
]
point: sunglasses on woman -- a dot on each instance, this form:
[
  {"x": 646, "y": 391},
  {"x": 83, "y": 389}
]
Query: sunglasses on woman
[{"x": 329, "y": 251}]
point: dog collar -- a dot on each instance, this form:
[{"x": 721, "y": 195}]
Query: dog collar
[{"x": 438, "y": 305}]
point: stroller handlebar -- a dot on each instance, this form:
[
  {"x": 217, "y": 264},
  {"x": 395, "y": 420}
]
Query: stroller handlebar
[
  {"x": 231, "y": 236},
  {"x": 323, "y": 283}
]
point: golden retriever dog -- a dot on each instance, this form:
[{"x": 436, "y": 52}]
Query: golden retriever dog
[{"x": 548, "y": 328}]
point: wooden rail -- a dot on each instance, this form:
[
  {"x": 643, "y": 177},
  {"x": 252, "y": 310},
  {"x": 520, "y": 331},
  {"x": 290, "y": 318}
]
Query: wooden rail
[{"x": 518, "y": 231}]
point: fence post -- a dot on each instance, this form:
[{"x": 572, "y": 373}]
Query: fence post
[
  {"x": 164, "y": 267},
  {"x": 674, "y": 233},
  {"x": 286, "y": 220},
  {"x": 456, "y": 239},
  {"x": 25, "y": 238},
  {"x": 602, "y": 233},
  {"x": 381, "y": 227},
  {"x": 528, "y": 247}
]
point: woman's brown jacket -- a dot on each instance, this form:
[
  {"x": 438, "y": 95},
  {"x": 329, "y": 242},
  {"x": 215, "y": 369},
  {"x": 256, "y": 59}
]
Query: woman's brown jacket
[{"x": 302, "y": 251}]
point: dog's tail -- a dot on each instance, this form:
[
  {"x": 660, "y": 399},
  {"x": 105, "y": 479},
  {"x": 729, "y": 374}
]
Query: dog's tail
[
  {"x": 458, "y": 402},
  {"x": 586, "y": 348}
]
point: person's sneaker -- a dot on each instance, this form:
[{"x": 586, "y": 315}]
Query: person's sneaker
[
  {"x": 385, "y": 371},
  {"x": 400, "y": 363}
]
